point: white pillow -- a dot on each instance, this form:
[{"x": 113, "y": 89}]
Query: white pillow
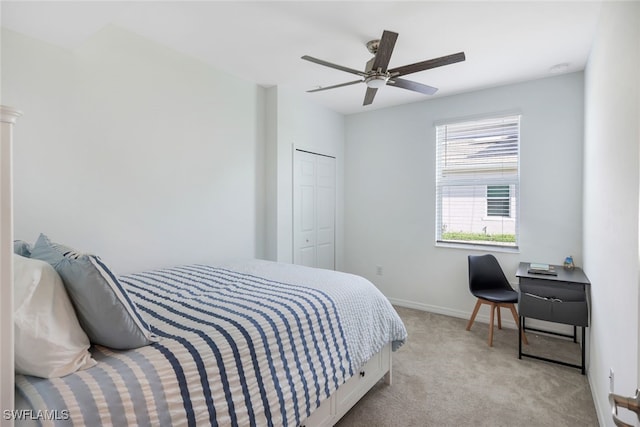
[{"x": 49, "y": 341}]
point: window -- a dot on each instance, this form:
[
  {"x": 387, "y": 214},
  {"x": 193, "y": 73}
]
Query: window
[
  {"x": 477, "y": 181},
  {"x": 499, "y": 200}
]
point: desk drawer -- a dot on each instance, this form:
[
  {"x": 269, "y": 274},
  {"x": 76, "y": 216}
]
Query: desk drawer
[
  {"x": 567, "y": 312},
  {"x": 551, "y": 289}
]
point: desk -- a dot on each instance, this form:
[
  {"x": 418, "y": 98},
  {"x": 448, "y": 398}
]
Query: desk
[{"x": 560, "y": 298}]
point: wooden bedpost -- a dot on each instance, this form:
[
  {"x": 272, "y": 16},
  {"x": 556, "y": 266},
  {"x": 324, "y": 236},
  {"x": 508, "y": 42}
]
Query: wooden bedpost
[{"x": 8, "y": 117}]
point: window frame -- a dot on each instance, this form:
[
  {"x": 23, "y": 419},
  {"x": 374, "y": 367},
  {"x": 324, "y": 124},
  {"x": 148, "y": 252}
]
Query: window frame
[{"x": 444, "y": 185}]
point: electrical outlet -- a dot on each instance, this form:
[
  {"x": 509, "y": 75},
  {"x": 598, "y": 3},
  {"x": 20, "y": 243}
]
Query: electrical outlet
[
  {"x": 611, "y": 380},
  {"x": 379, "y": 270}
]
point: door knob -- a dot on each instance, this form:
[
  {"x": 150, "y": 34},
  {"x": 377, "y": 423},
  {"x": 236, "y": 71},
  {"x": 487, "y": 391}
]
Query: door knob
[{"x": 630, "y": 403}]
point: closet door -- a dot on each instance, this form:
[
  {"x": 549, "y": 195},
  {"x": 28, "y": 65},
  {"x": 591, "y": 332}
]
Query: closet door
[{"x": 314, "y": 201}]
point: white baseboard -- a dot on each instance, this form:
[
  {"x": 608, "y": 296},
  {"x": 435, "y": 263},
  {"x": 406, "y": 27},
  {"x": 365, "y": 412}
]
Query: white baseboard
[{"x": 507, "y": 319}]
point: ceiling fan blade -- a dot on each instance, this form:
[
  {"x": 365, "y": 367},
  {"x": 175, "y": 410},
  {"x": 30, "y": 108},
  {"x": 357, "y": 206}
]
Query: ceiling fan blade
[
  {"x": 426, "y": 65},
  {"x": 414, "y": 86},
  {"x": 337, "y": 67},
  {"x": 385, "y": 49},
  {"x": 368, "y": 97},
  {"x": 335, "y": 86}
]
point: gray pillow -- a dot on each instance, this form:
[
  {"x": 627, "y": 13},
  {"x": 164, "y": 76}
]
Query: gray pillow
[
  {"x": 22, "y": 248},
  {"x": 106, "y": 313}
]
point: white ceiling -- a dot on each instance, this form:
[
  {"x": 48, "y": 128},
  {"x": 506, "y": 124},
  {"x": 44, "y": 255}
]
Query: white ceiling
[{"x": 262, "y": 41}]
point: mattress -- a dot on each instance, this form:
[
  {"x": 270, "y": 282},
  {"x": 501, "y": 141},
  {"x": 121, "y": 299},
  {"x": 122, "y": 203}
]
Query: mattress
[{"x": 241, "y": 343}]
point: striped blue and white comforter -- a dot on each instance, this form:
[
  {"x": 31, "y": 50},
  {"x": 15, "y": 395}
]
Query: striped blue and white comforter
[{"x": 246, "y": 343}]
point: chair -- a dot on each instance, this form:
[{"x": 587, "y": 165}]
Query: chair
[{"x": 488, "y": 283}]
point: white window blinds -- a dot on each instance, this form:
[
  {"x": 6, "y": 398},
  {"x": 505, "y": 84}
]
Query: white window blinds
[{"x": 477, "y": 181}]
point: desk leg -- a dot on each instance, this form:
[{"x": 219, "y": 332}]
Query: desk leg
[
  {"x": 520, "y": 328},
  {"x": 584, "y": 345},
  {"x": 582, "y": 367}
]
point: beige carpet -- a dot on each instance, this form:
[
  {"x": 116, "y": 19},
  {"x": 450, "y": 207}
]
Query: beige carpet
[{"x": 446, "y": 376}]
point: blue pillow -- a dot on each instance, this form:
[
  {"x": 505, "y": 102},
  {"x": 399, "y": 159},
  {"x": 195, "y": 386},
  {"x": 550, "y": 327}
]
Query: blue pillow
[
  {"x": 22, "y": 248},
  {"x": 104, "y": 309}
]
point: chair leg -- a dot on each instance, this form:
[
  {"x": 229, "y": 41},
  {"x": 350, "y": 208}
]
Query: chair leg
[
  {"x": 493, "y": 309},
  {"x": 515, "y": 317},
  {"x": 473, "y": 315}
]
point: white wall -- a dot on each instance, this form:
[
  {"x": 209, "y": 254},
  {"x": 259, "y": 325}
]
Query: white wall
[
  {"x": 293, "y": 121},
  {"x": 132, "y": 151},
  {"x": 611, "y": 213},
  {"x": 390, "y": 190}
]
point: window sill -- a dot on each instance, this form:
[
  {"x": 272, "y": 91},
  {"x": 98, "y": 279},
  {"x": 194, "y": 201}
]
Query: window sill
[{"x": 479, "y": 247}]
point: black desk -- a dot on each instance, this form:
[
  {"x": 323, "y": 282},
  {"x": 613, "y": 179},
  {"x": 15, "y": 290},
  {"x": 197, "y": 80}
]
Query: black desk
[{"x": 561, "y": 299}]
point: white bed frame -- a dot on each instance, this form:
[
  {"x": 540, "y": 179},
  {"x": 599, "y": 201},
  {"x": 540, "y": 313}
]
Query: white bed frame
[
  {"x": 8, "y": 117},
  {"x": 349, "y": 393}
]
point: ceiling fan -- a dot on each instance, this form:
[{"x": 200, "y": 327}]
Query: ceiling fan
[{"x": 377, "y": 74}]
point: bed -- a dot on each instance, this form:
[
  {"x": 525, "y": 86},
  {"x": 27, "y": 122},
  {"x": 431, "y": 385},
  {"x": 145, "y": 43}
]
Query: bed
[{"x": 249, "y": 343}]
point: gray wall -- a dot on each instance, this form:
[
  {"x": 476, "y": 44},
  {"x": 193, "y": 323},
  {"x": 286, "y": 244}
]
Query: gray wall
[
  {"x": 150, "y": 158},
  {"x": 390, "y": 190},
  {"x": 611, "y": 213},
  {"x": 134, "y": 152}
]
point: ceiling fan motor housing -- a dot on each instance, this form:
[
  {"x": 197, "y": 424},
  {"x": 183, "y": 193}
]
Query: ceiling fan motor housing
[{"x": 372, "y": 46}]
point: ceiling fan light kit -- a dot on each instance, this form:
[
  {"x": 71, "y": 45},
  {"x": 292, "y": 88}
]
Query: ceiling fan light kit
[
  {"x": 377, "y": 74},
  {"x": 376, "y": 81}
]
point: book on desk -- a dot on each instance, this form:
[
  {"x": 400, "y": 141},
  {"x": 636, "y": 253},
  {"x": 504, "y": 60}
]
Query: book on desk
[{"x": 538, "y": 268}]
